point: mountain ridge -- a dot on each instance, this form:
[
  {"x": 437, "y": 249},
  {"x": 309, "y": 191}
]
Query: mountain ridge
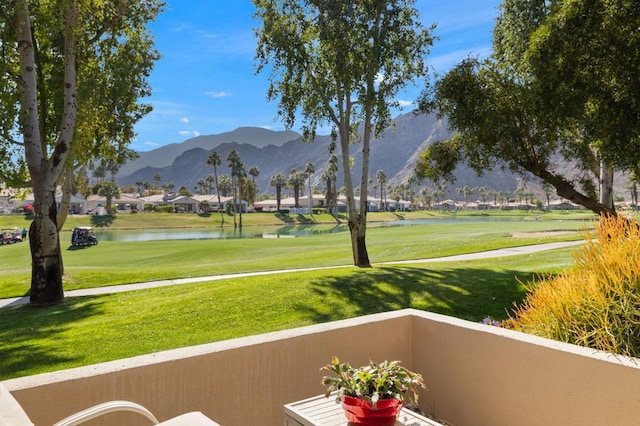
[
  {"x": 395, "y": 151},
  {"x": 164, "y": 155}
]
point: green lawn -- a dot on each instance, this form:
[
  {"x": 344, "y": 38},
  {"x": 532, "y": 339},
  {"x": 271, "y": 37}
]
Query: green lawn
[
  {"x": 113, "y": 263},
  {"x": 101, "y": 328}
]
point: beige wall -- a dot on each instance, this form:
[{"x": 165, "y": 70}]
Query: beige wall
[
  {"x": 492, "y": 376},
  {"x": 477, "y": 375}
]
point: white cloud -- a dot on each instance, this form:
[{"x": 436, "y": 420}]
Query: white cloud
[
  {"x": 184, "y": 120},
  {"x": 221, "y": 94},
  {"x": 403, "y": 103},
  {"x": 192, "y": 133},
  {"x": 149, "y": 143}
]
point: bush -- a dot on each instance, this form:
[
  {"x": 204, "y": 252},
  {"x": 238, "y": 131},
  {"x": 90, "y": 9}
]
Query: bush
[
  {"x": 163, "y": 209},
  {"x": 596, "y": 303}
]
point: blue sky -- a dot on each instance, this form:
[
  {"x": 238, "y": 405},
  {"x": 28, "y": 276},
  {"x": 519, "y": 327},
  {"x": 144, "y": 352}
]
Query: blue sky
[{"x": 205, "y": 82}]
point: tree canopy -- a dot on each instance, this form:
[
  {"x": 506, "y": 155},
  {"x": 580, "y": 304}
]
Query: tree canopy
[
  {"x": 72, "y": 73},
  {"x": 556, "y": 100},
  {"x": 340, "y": 63}
]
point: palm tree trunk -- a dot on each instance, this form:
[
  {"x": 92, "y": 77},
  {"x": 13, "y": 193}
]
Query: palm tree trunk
[{"x": 215, "y": 174}]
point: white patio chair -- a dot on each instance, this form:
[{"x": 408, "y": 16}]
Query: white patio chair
[{"x": 12, "y": 414}]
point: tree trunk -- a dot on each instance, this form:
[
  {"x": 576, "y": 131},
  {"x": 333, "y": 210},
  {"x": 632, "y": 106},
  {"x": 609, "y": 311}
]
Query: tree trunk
[
  {"x": 240, "y": 204},
  {"x": 357, "y": 227},
  {"x": 65, "y": 201},
  {"x": 566, "y": 190},
  {"x": 46, "y": 256},
  {"x": 278, "y": 197},
  {"x": 357, "y": 220},
  {"x": 215, "y": 172},
  {"x": 606, "y": 185},
  {"x": 235, "y": 203}
]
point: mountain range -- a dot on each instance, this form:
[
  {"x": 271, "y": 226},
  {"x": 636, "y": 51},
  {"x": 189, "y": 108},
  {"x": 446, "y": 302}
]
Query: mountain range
[{"x": 395, "y": 151}]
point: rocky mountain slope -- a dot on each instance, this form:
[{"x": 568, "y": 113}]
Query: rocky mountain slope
[
  {"x": 164, "y": 156},
  {"x": 395, "y": 152}
]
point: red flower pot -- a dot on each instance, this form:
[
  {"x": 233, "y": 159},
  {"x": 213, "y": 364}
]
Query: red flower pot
[{"x": 361, "y": 412}]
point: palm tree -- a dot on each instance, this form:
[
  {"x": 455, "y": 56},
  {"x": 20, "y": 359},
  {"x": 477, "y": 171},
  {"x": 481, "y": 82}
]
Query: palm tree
[
  {"x": 309, "y": 170},
  {"x": 209, "y": 179},
  {"x": 238, "y": 172},
  {"x": 157, "y": 178},
  {"x": 331, "y": 176},
  {"x": 226, "y": 185},
  {"x": 466, "y": 193},
  {"x": 109, "y": 190},
  {"x": 251, "y": 188},
  {"x": 200, "y": 185},
  {"x": 546, "y": 188},
  {"x": 278, "y": 181},
  {"x": 254, "y": 172},
  {"x": 296, "y": 180},
  {"x": 140, "y": 187},
  {"x": 215, "y": 161},
  {"x": 381, "y": 178},
  {"x": 413, "y": 180}
]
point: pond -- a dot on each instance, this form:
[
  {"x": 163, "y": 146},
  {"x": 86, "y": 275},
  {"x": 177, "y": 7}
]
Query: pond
[
  {"x": 288, "y": 231},
  {"x": 218, "y": 233}
]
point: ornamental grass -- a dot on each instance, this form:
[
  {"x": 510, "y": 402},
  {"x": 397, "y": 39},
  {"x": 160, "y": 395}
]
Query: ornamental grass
[{"x": 596, "y": 303}]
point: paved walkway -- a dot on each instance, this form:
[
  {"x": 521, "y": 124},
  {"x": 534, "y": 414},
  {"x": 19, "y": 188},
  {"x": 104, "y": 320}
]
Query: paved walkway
[{"x": 511, "y": 251}]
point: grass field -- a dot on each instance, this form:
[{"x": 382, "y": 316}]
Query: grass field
[
  {"x": 101, "y": 328},
  {"x": 113, "y": 263}
]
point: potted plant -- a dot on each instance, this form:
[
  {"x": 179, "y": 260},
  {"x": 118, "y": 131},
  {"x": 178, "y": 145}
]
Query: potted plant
[{"x": 372, "y": 394}]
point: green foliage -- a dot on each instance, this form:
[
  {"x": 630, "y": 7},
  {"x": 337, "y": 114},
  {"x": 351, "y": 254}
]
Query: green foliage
[
  {"x": 561, "y": 86},
  {"x": 597, "y": 303},
  {"x": 585, "y": 57},
  {"x": 83, "y": 67},
  {"x": 184, "y": 192},
  {"x": 341, "y": 63},
  {"x": 114, "y": 263},
  {"x": 373, "y": 382},
  {"x": 141, "y": 322}
]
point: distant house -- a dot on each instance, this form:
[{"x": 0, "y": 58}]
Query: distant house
[
  {"x": 318, "y": 201},
  {"x": 77, "y": 204},
  {"x": 96, "y": 203},
  {"x": 224, "y": 202},
  {"x": 8, "y": 199},
  {"x": 184, "y": 204},
  {"x": 445, "y": 205},
  {"x": 156, "y": 200},
  {"x": 563, "y": 205}
]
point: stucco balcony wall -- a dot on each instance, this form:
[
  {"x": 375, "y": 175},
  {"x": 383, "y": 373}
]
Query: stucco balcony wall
[{"x": 476, "y": 374}]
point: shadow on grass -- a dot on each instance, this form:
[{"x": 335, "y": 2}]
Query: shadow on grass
[
  {"x": 22, "y": 329},
  {"x": 102, "y": 221},
  {"x": 467, "y": 293},
  {"x": 285, "y": 217},
  {"x": 304, "y": 220},
  {"x": 74, "y": 248}
]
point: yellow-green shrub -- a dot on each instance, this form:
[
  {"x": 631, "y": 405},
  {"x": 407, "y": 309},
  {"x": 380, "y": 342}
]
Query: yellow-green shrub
[{"x": 596, "y": 303}]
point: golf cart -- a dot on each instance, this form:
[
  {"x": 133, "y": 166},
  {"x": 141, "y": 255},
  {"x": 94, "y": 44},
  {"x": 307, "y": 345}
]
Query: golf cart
[
  {"x": 10, "y": 235},
  {"x": 83, "y": 236}
]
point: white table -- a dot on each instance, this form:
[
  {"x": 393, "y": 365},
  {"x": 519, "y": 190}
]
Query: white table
[{"x": 322, "y": 411}]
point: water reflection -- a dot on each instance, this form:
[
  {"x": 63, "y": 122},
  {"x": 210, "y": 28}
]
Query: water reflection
[{"x": 289, "y": 231}]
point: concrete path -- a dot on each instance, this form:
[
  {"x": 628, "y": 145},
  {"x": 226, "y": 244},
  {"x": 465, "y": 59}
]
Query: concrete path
[{"x": 511, "y": 251}]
